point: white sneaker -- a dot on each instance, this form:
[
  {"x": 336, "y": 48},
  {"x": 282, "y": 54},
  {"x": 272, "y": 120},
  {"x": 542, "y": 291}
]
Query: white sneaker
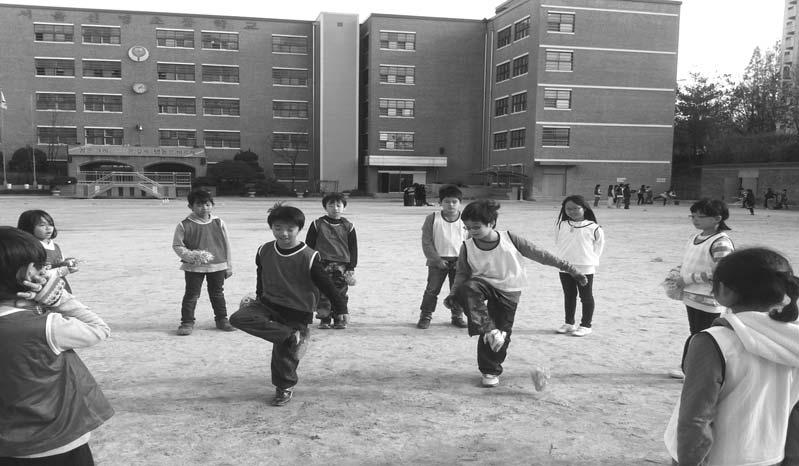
[
  {"x": 490, "y": 380},
  {"x": 676, "y": 374},
  {"x": 581, "y": 331},
  {"x": 566, "y": 328}
]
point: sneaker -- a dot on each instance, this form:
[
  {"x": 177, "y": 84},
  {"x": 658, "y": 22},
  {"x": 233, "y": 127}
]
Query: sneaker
[
  {"x": 459, "y": 321},
  {"x": 566, "y": 328},
  {"x": 325, "y": 325},
  {"x": 224, "y": 325},
  {"x": 424, "y": 320},
  {"x": 677, "y": 374},
  {"x": 581, "y": 331},
  {"x": 340, "y": 321},
  {"x": 490, "y": 380},
  {"x": 185, "y": 328},
  {"x": 300, "y": 341},
  {"x": 540, "y": 378},
  {"x": 281, "y": 397}
]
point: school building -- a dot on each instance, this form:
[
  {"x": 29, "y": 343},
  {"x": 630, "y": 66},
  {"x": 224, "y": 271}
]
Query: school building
[{"x": 554, "y": 97}]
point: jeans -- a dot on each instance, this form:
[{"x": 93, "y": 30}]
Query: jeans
[
  {"x": 435, "y": 280},
  {"x": 335, "y": 270},
  {"x": 699, "y": 320},
  {"x": 80, "y": 456},
  {"x": 570, "y": 291},
  {"x": 216, "y": 293},
  {"x": 487, "y": 308}
]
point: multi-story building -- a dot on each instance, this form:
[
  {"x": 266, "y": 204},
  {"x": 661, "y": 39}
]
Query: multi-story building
[{"x": 790, "y": 51}]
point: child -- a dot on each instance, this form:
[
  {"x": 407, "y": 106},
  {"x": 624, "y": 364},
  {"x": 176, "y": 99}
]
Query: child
[
  {"x": 442, "y": 237},
  {"x": 41, "y": 225},
  {"x": 333, "y": 236},
  {"x": 749, "y": 201},
  {"x": 49, "y": 402},
  {"x": 201, "y": 242},
  {"x": 488, "y": 282},
  {"x": 289, "y": 277},
  {"x": 739, "y": 401},
  {"x": 579, "y": 240}
]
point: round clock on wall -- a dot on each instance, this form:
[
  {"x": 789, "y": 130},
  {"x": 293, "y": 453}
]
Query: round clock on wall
[{"x": 139, "y": 88}]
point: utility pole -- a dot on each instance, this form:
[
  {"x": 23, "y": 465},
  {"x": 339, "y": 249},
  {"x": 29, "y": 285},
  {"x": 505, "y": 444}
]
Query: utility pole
[{"x": 33, "y": 160}]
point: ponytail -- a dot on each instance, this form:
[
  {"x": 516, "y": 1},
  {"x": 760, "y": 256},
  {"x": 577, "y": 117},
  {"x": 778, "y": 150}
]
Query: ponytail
[{"x": 790, "y": 311}]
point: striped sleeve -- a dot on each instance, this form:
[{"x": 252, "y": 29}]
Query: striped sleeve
[{"x": 721, "y": 247}]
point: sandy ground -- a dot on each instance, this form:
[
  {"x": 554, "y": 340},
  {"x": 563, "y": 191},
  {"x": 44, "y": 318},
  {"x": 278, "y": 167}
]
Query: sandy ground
[{"x": 382, "y": 391}]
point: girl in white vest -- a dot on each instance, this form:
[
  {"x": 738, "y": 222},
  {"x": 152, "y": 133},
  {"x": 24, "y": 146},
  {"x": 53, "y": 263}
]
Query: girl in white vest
[{"x": 742, "y": 374}]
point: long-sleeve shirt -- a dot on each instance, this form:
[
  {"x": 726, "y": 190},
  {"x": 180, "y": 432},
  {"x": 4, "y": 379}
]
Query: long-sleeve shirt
[
  {"x": 312, "y": 238},
  {"x": 440, "y": 234}
]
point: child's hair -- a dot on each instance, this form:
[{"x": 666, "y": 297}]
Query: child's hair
[
  {"x": 333, "y": 197},
  {"x": 18, "y": 248},
  {"x": 481, "y": 210},
  {"x": 285, "y": 214},
  {"x": 28, "y": 220},
  {"x": 712, "y": 208},
  {"x": 449, "y": 190},
  {"x": 760, "y": 277},
  {"x": 588, "y": 213},
  {"x": 200, "y": 195}
]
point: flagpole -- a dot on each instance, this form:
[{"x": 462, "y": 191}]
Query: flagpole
[{"x": 3, "y": 107}]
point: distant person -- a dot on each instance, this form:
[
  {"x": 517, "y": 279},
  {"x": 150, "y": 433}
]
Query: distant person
[
  {"x": 408, "y": 196},
  {"x": 421, "y": 195},
  {"x": 749, "y": 201},
  {"x": 768, "y": 198},
  {"x": 648, "y": 195},
  {"x": 640, "y": 193},
  {"x": 668, "y": 196},
  {"x": 611, "y": 195},
  {"x": 782, "y": 200},
  {"x": 42, "y": 226},
  {"x": 597, "y": 194},
  {"x": 626, "y": 195},
  {"x": 618, "y": 195}
]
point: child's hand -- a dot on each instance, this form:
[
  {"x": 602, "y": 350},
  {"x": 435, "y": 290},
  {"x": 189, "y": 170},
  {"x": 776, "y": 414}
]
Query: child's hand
[
  {"x": 228, "y": 273},
  {"x": 349, "y": 277},
  {"x": 71, "y": 263},
  {"x": 45, "y": 288},
  {"x": 581, "y": 279},
  {"x": 449, "y": 302},
  {"x": 442, "y": 264},
  {"x": 494, "y": 339}
]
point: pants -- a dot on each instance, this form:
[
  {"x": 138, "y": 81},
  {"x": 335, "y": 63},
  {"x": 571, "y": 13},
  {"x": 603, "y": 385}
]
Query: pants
[
  {"x": 263, "y": 321},
  {"x": 335, "y": 270},
  {"x": 640, "y": 199},
  {"x": 80, "y": 456},
  {"x": 487, "y": 308},
  {"x": 435, "y": 280},
  {"x": 596, "y": 200},
  {"x": 699, "y": 320},
  {"x": 570, "y": 291},
  {"x": 216, "y": 293}
]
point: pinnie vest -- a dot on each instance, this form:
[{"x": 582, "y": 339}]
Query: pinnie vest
[
  {"x": 501, "y": 267},
  {"x": 286, "y": 278},
  {"x": 332, "y": 241},
  {"x": 206, "y": 236}
]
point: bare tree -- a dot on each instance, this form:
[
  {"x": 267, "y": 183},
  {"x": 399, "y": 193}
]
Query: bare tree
[{"x": 288, "y": 150}]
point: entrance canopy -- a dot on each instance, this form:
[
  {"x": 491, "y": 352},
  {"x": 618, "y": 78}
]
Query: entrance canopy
[{"x": 137, "y": 157}]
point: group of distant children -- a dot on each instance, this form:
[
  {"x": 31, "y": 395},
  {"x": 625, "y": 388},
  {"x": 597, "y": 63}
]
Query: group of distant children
[
  {"x": 621, "y": 194},
  {"x": 740, "y": 368}
]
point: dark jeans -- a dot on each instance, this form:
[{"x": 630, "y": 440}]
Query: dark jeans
[
  {"x": 570, "y": 291},
  {"x": 335, "y": 270},
  {"x": 435, "y": 280},
  {"x": 81, "y": 456},
  {"x": 487, "y": 308},
  {"x": 216, "y": 293},
  {"x": 699, "y": 320},
  {"x": 264, "y": 321}
]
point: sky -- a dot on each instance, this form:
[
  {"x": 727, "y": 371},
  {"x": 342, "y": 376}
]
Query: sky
[{"x": 716, "y": 36}]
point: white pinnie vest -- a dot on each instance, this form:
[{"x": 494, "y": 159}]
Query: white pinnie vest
[
  {"x": 501, "y": 267},
  {"x": 697, "y": 259},
  {"x": 580, "y": 243},
  {"x": 448, "y": 236}
]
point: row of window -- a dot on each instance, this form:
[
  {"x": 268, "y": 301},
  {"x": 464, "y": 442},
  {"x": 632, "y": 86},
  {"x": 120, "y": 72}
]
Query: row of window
[
  {"x": 391, "y": 40},
  {"x": 520, "y": 67},
  {"x": 515, "y": 103},
  {"x": 517, "y": 139},
  {"x": 551, "y": 136},
  {"x": 519, "y": 30}
]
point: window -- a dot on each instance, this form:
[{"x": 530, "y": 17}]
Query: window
[
  {"x": 503, "y": 37},
  {"x": 501, "y": 140},
  {"x": 283, "y": 172},
  {"x": 501, "y": 106},
  {"x": 520, "y": 65},
  {"x": 521, "y": 29},
  {"x": 560, "y": 99},
  {"x": 399, "y": 108},
  {"x": 220, "y": 74},
  {"x": 102, "y": 69},
  {"x": 517, "y": 137},
  {"x": 221, "y": 107},
  {"x": 174, "y": 38},
  {"x": 101, "y": 35},
  {"x": 177, "y": 105},
  {"x": 104, "y": 136},
  {"x": 176, "y": 72},
  {"x": 53, "y": 32},
  {"x": 55, "y": 101},
  {"x": 397, "y": 40},
  {"x": 396, "y": 74},
  {"x": 290, "y": 44},
  {"x": 557, "y": 60},
  {"x": 503, "y": 71},
  {"x": 560, "y": 22},
  {"x": 55, "y": 67},
  {"x": 177, "y": 137},
  {"x": 518, "y": 102},
  {"x": 396, "y": 140},
  {"x": 102, "y": 103},
  {"x": 290, "y": 141},
  {"x": 290, "y": 77},
  {"x": 290, "y": 109},
  {"x": 555, "y": 137},
  {"x": 220, "y": 40},
  {"x": 57, "y": 134},
  {"x": 222, "y": 139}
]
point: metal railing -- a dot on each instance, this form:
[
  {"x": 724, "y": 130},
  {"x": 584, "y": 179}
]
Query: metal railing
[{"x": 92, "y": 184}]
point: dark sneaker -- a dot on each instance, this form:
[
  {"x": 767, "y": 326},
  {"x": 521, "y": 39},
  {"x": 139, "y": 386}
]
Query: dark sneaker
[
  {"x": 185, "y": 328},
  {"x": 300, "y": 341},
  {"x": 325, "y": 324},
  {"x": 459, "y": 321},
  {"x": 424, "y": 320},
  {"x": 281, "y": 397},
  {"x": 224, "y": 325},
  {"x": 340, "y": 321}
]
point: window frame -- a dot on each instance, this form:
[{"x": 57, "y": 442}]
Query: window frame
[
  {"x": 211, "y": 66},
  {"x": 58, "y": 141},
  {"x": 178, "y": 131},
  {"x": 383, "y": 138},
  {"x": 513, "y": 103},
  {"x": 57, "y": 60},
  {"x": 85, "y": 61},
  {"x": 206, "y": 133},
  {"x": 554, "y": 100},
  {"x": 83, "y": 28},
  {"x": 297, "y": 178},
  {"x": 559, "y": 61},
  {"x": 222, "y": 99},
  {"x": 302, "y": 50},
  {"x": 175, "y": 72},
  {"x": 388, "y": 40},
  {"x": 280, "y": 68},
  {"x": 503, "y": 39},
  {"x": 299, "y": 111},
  {"x": 193, "y": 39},
  {"x": 177, "y": 106},
  {"x": 57, "y": 101},
  {"x": 501, "y": 107},
  {"x": 54, "y": 25},
  {"x": 105, "y": 136},
  {"x": 399, "y": 110},
  {"x": 553, "y": 137},
  {"x": 389, "y": 68},
  {"x": 504, "y": 68},
  {"x": 522, "y": 61},
  {"x": 513, "y": 135},
  {"x": 223, "y": 42},
  {"x": 105, "y": 104},
  {"x": 304, "y": 146},
  {"x": 499, "y": 140},
  {"x": 524, "y": 32},
  {"x": 557, "y": 27}
]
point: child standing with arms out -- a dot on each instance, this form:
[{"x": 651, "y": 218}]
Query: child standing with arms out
[
  {"x": 579, "y": 240},
  {"x": 49, "y": 401},
  {"x": 41, "y": 225},
  {"x": 488, "y": 283},
  {"x": 201, "y": 242},
  {"x": 738, "y": 403},
  {"x": 333, "y": 236},
  {"x": 442, "y": 237},
  {"x": 289, "y": 277}
]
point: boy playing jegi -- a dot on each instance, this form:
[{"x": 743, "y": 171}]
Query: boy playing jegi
[{"x": 442, "y": 236}]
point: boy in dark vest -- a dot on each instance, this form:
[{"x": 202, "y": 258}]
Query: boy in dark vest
[
  {"x": 333, "y": 236},
  {"x": 289, "y": 278}
]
